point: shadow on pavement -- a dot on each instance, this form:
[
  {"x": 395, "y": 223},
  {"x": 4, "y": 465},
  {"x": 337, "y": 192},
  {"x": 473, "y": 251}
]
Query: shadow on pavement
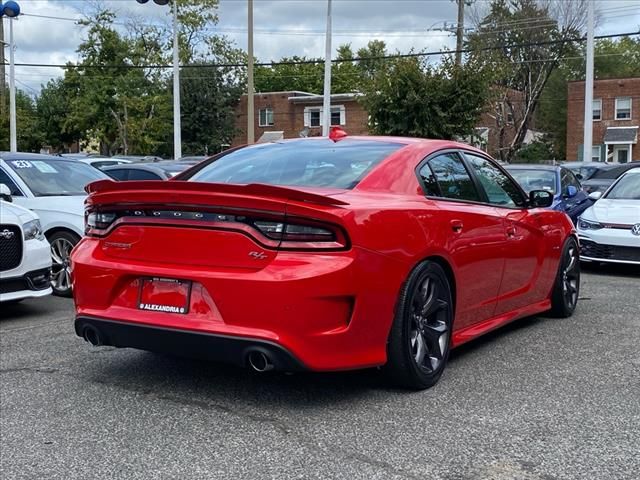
[
  {"x": 609, "y": 269},
  {"x": 178, "y": 377}
]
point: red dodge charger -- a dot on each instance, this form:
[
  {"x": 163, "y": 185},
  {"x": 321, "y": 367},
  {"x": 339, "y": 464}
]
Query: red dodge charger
[{"x": 322, "y": 254}]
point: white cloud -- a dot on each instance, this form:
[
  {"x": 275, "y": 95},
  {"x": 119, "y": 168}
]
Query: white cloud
[{"x": 402, "y": 24}]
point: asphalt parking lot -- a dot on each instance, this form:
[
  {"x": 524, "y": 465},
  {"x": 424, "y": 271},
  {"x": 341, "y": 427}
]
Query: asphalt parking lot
[{"x": 540, "y": 399}]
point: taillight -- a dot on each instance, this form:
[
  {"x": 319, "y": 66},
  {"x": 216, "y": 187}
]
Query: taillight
[
  {"x": 99, "y": 220},
  {"x": 294, "y": 234}
]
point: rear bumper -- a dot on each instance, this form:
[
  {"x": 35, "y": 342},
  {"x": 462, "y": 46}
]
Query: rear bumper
[
  {"x": 329, "y": 311},
  {"x": 217, "y": 348}
]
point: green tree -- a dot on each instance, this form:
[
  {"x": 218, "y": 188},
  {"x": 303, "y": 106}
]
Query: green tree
[
  {"x": 53, "y": 107},
  {"x": 545, "y": 33},
  {"x": 208, "y": 96},
  {"x": 406, "y": 97},
  {"x": 28, "y": 136}
]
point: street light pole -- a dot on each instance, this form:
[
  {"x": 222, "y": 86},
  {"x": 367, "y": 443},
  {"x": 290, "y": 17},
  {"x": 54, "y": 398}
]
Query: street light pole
[
  {"x": 177, "y": 134},
  {"x": 326, "y": 103},
  {"x": 588, "y": 89},
  {"x": 251, "y": 135},
  {"x": 12, "y": 91}
]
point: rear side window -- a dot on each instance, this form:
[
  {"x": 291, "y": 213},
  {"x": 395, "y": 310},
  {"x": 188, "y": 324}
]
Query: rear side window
[
  {"x": 307, "y": 163},
  {"x": 446, "y": 176}
]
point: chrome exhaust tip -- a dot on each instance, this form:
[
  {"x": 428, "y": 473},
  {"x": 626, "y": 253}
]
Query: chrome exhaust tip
[{"x": 260, "y": 362}]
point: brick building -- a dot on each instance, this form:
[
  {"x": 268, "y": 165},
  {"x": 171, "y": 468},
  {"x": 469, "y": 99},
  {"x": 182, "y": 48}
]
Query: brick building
[
  {"x": 616, "y": 117},
  {"x": 294, "y": 114}
]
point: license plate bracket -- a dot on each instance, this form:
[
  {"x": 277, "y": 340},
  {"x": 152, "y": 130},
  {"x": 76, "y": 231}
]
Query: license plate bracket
[{"x": 164, "y": 295}]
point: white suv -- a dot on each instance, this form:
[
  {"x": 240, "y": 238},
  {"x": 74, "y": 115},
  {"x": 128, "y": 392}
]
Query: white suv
[{"x": 25, "y": 258}]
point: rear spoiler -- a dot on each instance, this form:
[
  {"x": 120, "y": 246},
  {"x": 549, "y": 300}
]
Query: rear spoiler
[{"x": 250, "y": 190}]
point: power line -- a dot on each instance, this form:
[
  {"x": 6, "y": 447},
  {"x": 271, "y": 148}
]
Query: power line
[{"x": 316, "y": 61}]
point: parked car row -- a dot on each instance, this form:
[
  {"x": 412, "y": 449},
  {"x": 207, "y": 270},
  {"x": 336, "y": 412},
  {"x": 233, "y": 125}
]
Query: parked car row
[{"x": 52, "y": 187}]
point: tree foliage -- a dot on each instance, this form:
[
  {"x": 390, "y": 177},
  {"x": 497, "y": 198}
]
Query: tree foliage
[
  {"x": 406, "y": 97},
  {"x": 116, "y": 97},
  {"x": 347, "y": 76},
  {"x": 28, "y": 135},
  {"x": 523, "y": 42}
]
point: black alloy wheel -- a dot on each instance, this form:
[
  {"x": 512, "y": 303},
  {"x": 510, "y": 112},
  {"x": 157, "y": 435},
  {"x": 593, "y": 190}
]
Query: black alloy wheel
[
  {"x": 566, "y": 289},
  {"x": 420, "y": 337}
]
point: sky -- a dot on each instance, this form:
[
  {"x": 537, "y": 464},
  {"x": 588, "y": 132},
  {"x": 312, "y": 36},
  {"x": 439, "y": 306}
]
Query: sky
[{"x": 282, "y": 27}]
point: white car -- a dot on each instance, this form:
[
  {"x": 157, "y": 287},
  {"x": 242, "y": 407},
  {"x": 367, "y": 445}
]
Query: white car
[
  {"x": 52, "y": 187},
  {"x": 25, "y": 261},
  {"x": 609, "y": 230},
  {"x": 101, "y": 162}
]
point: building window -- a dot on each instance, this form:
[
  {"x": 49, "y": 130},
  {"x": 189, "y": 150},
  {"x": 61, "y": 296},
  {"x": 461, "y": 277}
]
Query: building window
[
  {"x": 623, "y": 108},
  {"x": 595, "y": 153},
  {"x": 265, "y": 117},
  {"x": 313, "y": 116},
  {"x": 597, "y": 109},
  {"x": 335, "y": 116}
]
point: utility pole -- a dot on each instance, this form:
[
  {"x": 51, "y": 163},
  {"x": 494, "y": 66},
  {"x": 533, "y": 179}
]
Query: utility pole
[
  {"x": 3, "y": 106},
  {"x": 588, "y": 89},
  {"x": 12, "y": 91},
  {"x": 177, "y": 128},
  {"x": 251, "y": 135},
  {"x": 326, "y": 103},
  {"x": 460, "y": 31}
]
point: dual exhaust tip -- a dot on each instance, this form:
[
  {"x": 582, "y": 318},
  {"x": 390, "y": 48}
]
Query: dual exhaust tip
[{"x": 258, "y": 360}]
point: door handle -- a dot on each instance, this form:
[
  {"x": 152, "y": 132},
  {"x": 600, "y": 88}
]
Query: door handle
[
  {"x": 511, "y": 232},
  {"x": 456, "y": 226}
]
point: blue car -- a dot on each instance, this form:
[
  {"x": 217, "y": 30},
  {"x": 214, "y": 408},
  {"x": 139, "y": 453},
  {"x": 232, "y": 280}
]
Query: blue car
[{"x": 568, "y": 195}]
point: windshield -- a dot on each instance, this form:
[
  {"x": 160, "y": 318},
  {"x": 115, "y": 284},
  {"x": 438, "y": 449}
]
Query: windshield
[
  {"x": 611, "y": 173},
  {"x": 47, "y": 178},
  {"x": 627, "y": 188},
  {"x": 306, "y": 163},
  {"x": 535, "y": 179}
]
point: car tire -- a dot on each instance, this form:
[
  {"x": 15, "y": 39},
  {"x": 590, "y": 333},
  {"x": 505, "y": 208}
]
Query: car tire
[
  {"x": 566, "y": 288},
  {"x": 62, "y": 242},
  {"x": 420, "y": 337}
]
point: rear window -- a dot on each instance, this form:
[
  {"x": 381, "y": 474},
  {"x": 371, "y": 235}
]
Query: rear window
[
  {"x": 613, "y": 172},
  {"x": 309, "y": 163}
]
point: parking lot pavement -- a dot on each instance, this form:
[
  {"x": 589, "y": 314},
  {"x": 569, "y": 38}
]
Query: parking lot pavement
[{"x": 540, "y": 399}]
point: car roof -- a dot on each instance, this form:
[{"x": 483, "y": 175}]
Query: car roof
[
  {"x": 585, "y": 164},
  {"x": 10, "y": 156},
  {"x": 133, "y": 166},
  {"x": 533, "y": 166}
]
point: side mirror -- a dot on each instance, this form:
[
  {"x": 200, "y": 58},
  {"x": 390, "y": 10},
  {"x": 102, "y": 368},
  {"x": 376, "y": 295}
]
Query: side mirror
[
  {"x": 571, "y": 191},
  {"x": 595, "y": 196},
  {"x": 579, "y": 176},
  {"x": 5, "y": 193},
  {"x": 540, "y": 199}
]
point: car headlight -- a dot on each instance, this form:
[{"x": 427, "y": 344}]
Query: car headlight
[
  {"x": 33, "y": 230},
  {"x": 588, "y": 225}
]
